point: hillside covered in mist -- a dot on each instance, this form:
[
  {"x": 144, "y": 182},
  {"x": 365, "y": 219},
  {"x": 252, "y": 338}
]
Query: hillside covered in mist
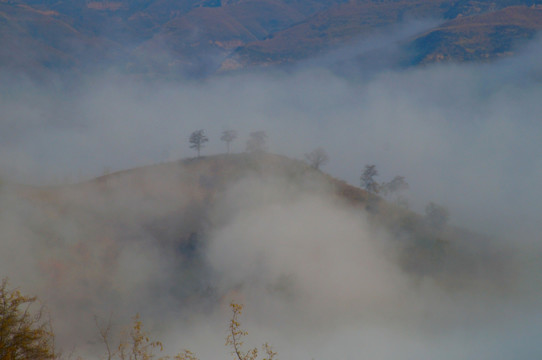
[
  {"x": 178, "y": 204},
  {"x": 105, "y": 212},
  {"x": 187, "y": 237}
]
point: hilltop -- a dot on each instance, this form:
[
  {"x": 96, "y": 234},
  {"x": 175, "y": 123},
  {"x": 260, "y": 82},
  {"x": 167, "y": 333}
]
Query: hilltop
[{"x": 179, "y": 204}]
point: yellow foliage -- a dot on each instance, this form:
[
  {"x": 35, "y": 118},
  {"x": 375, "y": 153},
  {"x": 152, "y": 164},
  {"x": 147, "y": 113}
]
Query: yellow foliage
[
  {"x": 25, "y": 333},
  {"x": 186, "y": 355},
  {"x": 236, "y": 334},
  {"x": 136, "y": 344}
]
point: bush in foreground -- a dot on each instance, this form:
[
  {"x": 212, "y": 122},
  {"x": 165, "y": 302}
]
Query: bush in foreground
[{"x": 25, "y": 330}]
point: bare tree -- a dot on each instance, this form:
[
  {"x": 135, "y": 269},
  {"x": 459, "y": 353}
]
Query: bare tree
[
  {"x": 367, "y": 179},
  {"x": 198, "y": 140},
  {"x": 256, "y": 142},
  {"x": 228, "y": 136},
  {"x": 317, "y": 158}
]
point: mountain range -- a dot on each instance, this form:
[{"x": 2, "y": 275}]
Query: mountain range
[{"x": 206, "y": 36}]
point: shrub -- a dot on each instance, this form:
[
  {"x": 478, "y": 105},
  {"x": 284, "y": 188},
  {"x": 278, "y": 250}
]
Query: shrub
[{"x": 25, "y": 330}]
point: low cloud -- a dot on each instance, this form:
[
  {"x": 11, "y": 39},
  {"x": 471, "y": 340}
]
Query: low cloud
[{"x": 319, "y": 280}]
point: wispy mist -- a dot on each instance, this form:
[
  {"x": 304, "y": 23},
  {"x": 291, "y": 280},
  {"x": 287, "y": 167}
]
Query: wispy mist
[{"x": 319, "y": 279}]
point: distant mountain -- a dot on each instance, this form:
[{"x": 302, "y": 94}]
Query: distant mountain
[
  {"x": 332, "y": 27},
  {"x": 203, "y": 36},
  {"x": 474, "y": 25},
  {"x": 479, "y": 37}
]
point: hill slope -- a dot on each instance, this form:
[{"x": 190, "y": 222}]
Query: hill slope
[
  {"x": 178, "y": 205},
  {"x": 194, "y": 233}
]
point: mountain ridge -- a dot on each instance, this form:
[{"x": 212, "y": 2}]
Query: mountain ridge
[{"x": 213, "y": 35}]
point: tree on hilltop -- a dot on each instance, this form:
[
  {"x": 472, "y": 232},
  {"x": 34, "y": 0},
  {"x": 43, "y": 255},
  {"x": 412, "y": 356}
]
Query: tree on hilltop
[
  {"x": 394, "y": 188},
  {"x": 397, "y": 184},
  {"x": 256, "y": 142},
  {"x": 368, "y": 181},
  {"x": 228, "y": 136},
  {"x": 317, "y": 158},
  {"x": 198, "y": 140}
]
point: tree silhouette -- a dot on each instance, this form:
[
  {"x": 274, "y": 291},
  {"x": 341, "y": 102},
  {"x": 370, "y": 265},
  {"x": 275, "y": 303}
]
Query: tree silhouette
[
  {"x": 228, "y": 136},
  {"x": 367, "y": 179},
  {"x": 317, "y": 158},
  {"x": 397, "y": 184},
  {"x": 256, "y": 142},
  {"x": 197, "y": 140}
]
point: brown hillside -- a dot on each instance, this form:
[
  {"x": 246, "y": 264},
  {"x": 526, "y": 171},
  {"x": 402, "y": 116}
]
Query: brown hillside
[
  {"x": 334, "y": 26},
  {"x": 524, "y": 16},
  {"x": 479, "y": 37},
  {"x": 173, "y": 203},
  {"x": 36, "y": 39},
  {"x": 152, "y": 36},
  {"x": 221, "y": 29}
]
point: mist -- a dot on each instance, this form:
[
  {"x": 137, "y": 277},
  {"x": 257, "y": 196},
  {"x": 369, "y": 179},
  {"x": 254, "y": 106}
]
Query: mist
[{"x": 319, "y": 279}]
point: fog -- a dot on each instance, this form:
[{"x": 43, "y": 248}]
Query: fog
[{"x": 319, "y": 279}]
